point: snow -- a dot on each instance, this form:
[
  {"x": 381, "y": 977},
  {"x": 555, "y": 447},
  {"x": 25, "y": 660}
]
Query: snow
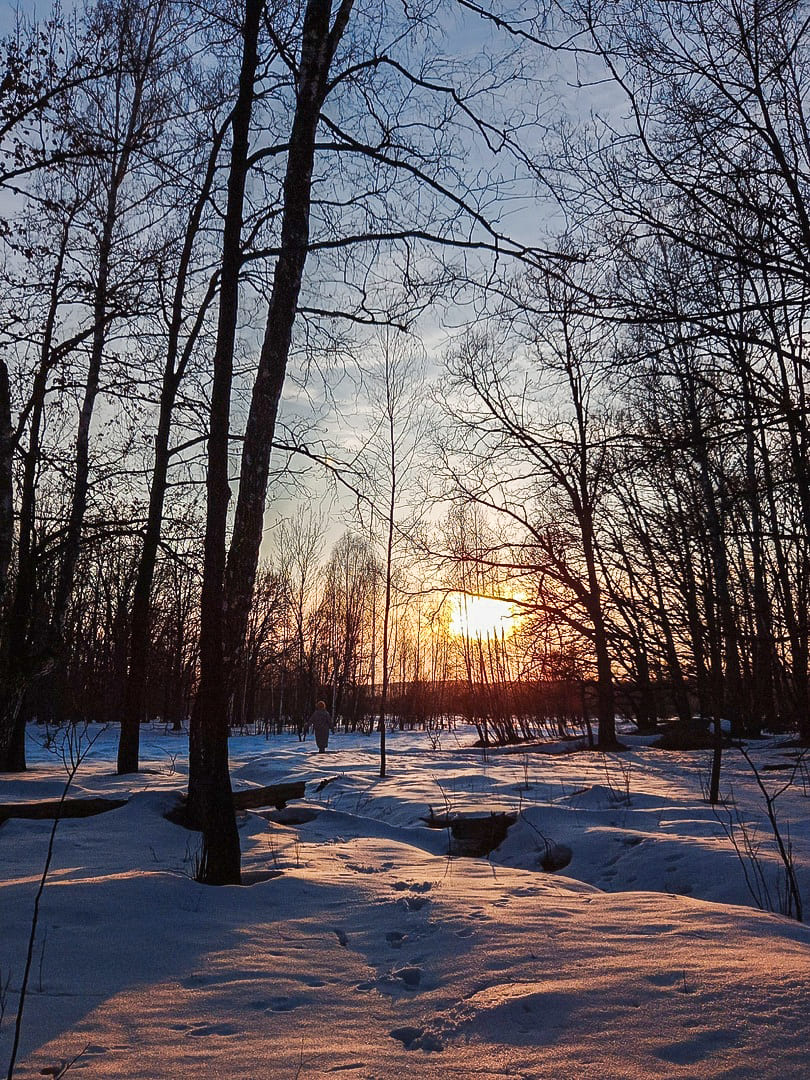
[{"x": 358, "y": 948}]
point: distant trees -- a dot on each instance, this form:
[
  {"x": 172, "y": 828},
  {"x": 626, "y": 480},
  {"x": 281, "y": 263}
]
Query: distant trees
[
  {"x": 704, "y": 210},
  {"x": 533, "y": 450},
  {"x": 689, "y": 216},
  {"x": 299, "y": 548},
  {"x": 102, "y": 121},
  {"x": 348, "y": 612}
]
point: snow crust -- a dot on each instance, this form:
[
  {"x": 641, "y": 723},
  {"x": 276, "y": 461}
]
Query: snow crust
[{"x": 358, "y": 948}]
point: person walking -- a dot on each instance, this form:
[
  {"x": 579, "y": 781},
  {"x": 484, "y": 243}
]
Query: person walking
[{"x": 321, "y": 723}]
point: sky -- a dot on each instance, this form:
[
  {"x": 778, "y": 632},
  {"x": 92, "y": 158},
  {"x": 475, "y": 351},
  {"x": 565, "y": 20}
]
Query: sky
[{"x": 333, "y": 408}]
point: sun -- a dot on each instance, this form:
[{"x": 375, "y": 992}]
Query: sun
[{"x": 481, "y": 616}]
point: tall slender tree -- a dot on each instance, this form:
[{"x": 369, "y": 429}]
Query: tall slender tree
[{"x": 210, "y": 803}]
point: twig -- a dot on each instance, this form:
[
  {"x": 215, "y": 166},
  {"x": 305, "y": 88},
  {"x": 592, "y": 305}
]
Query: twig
[
  {"x": 72, "y": 755},
  {"x": 794, "y": 897}
]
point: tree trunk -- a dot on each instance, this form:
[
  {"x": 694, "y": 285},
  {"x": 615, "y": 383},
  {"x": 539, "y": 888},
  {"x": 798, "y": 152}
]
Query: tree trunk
[
  {"x": 727, "y": 664},
  {"x": 209, "y": 785},
  {"x": 135, "y": 694},
  {"x": 10, "y": 759},
  {"x": 605, "y": 694},
  {"x": 7, "y": 443},
  {"x": 389, "y": 550},
  {"x": 16, "y": 664},
  {"x": 70, "y": 549},
  {"x": 317, "y": 49}
]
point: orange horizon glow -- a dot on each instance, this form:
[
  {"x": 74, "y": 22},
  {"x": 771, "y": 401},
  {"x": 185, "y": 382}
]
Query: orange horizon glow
[{"x": 482, "y": 616}]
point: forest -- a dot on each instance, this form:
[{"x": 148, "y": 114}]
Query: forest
[{"x": 322, "y": 321}]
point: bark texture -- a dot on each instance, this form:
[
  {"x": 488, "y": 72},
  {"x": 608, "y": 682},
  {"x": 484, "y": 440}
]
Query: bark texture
[{"x": 210, "y": 804}]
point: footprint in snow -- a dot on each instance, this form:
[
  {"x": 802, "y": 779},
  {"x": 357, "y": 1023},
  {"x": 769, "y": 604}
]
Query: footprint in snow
[
  {"x": 414, "y": 1038},
  {"x": 203, "y": 1030},
  {"x": 665, "y": 978},
  {"x": 410, "y": 976},
  {"x": 407, "y": 977},
  {"x": 284, "y": 1004},
  {"x": 277, "y": 1004},
  {"x": 198, "y": 979},
  {"x": 401, "y": 886},
  {"x": 414, "y": 903},
  {"x": 312, "y": 980}
]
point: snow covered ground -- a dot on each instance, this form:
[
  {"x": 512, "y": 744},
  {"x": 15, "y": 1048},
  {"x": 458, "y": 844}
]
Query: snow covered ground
[{"x": 357, "y": 948}]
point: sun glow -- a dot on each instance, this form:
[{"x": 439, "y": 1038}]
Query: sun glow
[{"x": 482, "y": 616}]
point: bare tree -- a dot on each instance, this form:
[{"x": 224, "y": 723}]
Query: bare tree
[
  {"x": 210, "y": 804},
  {"x": 105, "y": 123},
  {"x": 182, "y": 333},
  {"x": 400, "y": 427},
  {"x": 320, "y": 37},
  {"x": 536, "y": 453}
]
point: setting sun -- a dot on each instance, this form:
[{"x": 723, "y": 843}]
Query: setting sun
[{"x": 481, "y": 616}]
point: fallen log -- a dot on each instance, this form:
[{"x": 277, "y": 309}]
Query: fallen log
[
  {"x": 275, "y": 795},
  {"x": 52, "y": 808}
]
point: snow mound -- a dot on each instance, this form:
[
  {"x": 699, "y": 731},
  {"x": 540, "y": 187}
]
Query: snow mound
[{"x": 361, "y": 948}]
